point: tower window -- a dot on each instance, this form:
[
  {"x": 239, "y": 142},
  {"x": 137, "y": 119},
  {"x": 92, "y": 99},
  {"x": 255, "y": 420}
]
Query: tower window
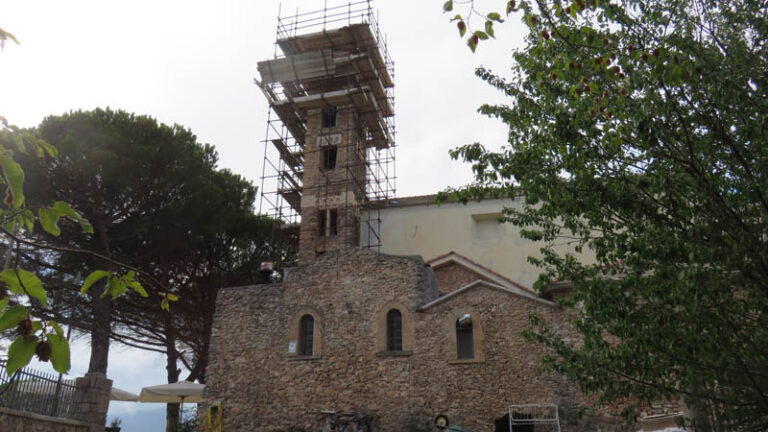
[
  {"x": 306, "y": 334},
  {"x": 329, "y": 157},
  {"x": 328, "y": 117},
  {"x": 465, "y": 346},
  {"x": 321, "y": 218},
  {"x": 394, "y": 330},
  {"x": 333, "y": 215}
]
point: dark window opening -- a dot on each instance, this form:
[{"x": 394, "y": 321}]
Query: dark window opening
[
  {"x": 329, "y": 158},
  {"x": 306, "y": 334},
  {"x": 394, "y": 330},
  {"x": 329, "y": 117},
  {"x": 519, "y": 424},
  {"x": 465, "y": 346},
  {"x": 502, "y": 424},
  {"x": 321, "y": 222},
  {"x": 333, "y": 215}
]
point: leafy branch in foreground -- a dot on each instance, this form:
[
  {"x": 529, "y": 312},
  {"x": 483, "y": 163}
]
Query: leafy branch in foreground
[{"x": 638, "y": 134}]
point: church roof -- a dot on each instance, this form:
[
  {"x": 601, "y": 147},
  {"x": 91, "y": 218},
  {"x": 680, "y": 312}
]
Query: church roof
[
  {"x": 482, "y": 283},
  {"x": 457, "y": 258}
]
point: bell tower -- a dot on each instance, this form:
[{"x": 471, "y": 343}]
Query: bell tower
[{"x": 329, "y": 149}]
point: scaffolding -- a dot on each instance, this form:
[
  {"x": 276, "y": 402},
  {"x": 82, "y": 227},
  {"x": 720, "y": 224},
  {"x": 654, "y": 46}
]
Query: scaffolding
[{"x": 335, "y": 58}]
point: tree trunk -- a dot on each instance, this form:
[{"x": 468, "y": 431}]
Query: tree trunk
[
  {"x": 102, "y": 316},
  {"x": 172, "y": 413},
  {"x": 100, "y": 332},
  {"x": 198, "y": 371}
]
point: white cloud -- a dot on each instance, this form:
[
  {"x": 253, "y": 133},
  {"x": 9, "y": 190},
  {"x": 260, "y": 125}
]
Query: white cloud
[{"x": 191, "y": 62}]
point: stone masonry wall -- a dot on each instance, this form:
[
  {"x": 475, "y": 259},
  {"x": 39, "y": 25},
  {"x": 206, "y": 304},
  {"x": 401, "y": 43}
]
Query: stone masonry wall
[
  {"x": 341, "y": 188},
  {"x": 263, "y": 387},
  {"x": 19, "y": 421},
  {"x": 452, "y": 276}
]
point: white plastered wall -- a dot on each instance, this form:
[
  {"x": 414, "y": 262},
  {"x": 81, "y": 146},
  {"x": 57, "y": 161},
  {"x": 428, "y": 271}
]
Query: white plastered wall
[{"x": 471, "y": 230}]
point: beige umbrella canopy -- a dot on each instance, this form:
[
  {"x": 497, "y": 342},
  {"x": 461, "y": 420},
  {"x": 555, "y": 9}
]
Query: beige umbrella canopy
[
  {"x": 117, "y": 394},
  {"x": 179, "y": 392}
]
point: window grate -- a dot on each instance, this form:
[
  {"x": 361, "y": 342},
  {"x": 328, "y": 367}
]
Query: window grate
[
  {"x": 306, "y": 335},
  {"x": 394, "y": 330},
  {"x": 465, "y": 346}
]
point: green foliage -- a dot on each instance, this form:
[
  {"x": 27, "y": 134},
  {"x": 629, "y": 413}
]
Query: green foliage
[
  {"x": 637, "y": 136},
  {"x": 13, "y": 176},
  {"x": 49, "y": 218},
  {"x": 11, "y": 316},
  {"x": 23, "y": 282},
  {"x": 59, "y": 352},
  {"x": 20, "y": 352},
  {"x": 92, "y": 278},
  {"x": 159, "y": 205}
]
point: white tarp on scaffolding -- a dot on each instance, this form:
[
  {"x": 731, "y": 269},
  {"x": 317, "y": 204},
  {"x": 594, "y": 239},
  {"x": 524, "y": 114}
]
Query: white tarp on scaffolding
[{"x": 297, "y": 67}]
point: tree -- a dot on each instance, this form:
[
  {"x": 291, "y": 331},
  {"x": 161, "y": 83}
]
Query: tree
[
  {"x": 638, "y": 131},
  {"x": 157, "y": 202}
]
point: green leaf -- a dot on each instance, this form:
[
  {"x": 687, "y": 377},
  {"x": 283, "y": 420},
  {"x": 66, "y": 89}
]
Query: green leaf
[
  {"x": 481, "y": 35},
  {"x": 93, "y": 278},
  {"x": 4, "y": 302},
  {"x": 494, "y": 16},
  {"x": 25, "y": 283},
  {"x": 56, "y": 327},
  {"x": 489, "y": 28},
  {"x": 59, "y": 352},
  {"x": 27, "y": 219},
  {"x": 19, "y": 141},
  {"x": 51, "y": 150},
  {"x": 137, "y": 287},
  {"x": 5, "y": 35},
  {"x": 20, "y": 353},
  {"x": 115, "y": 287},
  {"x": 448, "y": 6},
  {"x": 167, "y": 298},
  {"x": 14, "y": 177},
  {"x": 472, "y": 43},
  {"x": 11, "y": 317},
  {"x": 49, "y": 218},
  {"x": 49, "y": 221}
]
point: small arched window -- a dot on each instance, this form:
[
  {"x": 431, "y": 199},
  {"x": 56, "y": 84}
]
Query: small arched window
[
  {"x": 465, "y": 345},
  {"x": 306, "y": 334},
  {"x": 394, "y": 330}
]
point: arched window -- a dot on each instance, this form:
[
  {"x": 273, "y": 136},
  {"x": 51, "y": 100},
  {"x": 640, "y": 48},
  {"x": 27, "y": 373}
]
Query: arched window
[
  {"x": 394, "y": 330},
  {"x": 465, "y": 345},
  {"x": 306, "y": 334}
]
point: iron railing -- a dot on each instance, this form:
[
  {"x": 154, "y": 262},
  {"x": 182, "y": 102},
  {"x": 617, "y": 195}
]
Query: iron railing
[{"x": 38, "y": 392}]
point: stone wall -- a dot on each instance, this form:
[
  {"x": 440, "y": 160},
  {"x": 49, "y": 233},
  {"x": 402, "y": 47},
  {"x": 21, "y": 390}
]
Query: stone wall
[
  {"x": 92, "y": 408},
  {"x": 452, "y": 276},
  {"x": 20, "y": 421},
  {"x": 263, "y": 387},
  {"x": 341, "y": 188}
]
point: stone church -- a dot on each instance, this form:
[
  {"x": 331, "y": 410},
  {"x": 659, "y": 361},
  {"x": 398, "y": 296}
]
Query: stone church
[{"x": 362, "y": 322}]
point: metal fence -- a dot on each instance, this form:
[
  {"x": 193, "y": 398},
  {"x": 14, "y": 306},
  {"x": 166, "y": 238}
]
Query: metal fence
[{"x": 38, "y": 392}]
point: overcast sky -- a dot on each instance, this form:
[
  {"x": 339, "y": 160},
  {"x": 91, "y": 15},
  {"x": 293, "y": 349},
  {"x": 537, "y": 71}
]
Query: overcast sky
[{"x": 192, "y": 63}]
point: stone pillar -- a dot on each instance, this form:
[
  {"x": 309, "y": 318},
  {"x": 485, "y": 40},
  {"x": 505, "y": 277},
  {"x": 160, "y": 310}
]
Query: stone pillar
[{"x": 95, "y": 390}]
